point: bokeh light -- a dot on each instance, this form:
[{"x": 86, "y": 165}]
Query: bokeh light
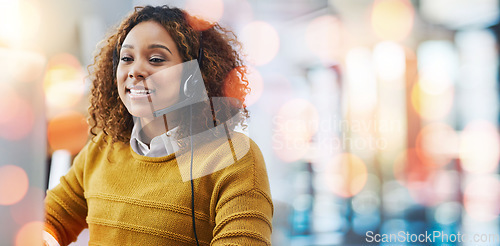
[
  {"x": 448, "y": 213},
  {"x": 68, "y": 131},
  {"x": 19, "y": 22},
  {"x": 208, "y": 10},
  {"x": 14, "y": 184},
  {"x": 64, "y": 59},
  {"x": 479, "y": 147},
  {"x": 260, "y": 41},
  {"x": 30, "y": 234},
  {"x": 30, "y": 19},
  {"x": 422, "y": 193},
  {"x": 481, "y": 198},
  {"x": 8, "y": 104},
  {"x": 437, "y": 66},
  {"x": 10, "y": 21},
  {"x": 444, "y": 184},
  {"x": 362, "y": 87},
  {"x": 435, "y": 86},
  {"x": 323, "y": 37},
  {"x": 294, "y": 126},
  {"x": 396, "y": 198},
  {"x": 366, "y": 202},
  {"x": 389, "y": 59},
  {"x": 431, "y": 106},
  {"x": 438, "y": 187},
  {"x": 17, "y": 115},
  {"x": 244, "y": 13},
  {"x": 410, "y": 167},
  {"x": 32, "y": 62},
  {"x": 392, "y": 19},
  {"x": 271, "y": 101},
  {"x": 394, "y": 226},
  {"x": 21, "y": 66},
  {"x": 348, "y": 175},
  {"x": 64, "y": 83},
  {"x": 439, "y": 142},
  {"x": 25, "y": 210}
]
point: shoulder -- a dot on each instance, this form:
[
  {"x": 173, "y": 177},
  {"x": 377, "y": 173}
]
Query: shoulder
[
  {"x": 248, "y": 154},
  {"x": 247, "y": 151},
  {"x": 244, "y": 164}
]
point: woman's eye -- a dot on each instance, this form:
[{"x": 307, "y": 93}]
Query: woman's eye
[
  {"x": 126, "y": 59},
  {"x": 156, "y": 60}
]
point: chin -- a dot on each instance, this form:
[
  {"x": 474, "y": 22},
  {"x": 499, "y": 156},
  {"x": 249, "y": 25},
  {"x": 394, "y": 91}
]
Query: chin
[
  {"x": 140, "y": 112},
  {"x": 144, "y": 110}
]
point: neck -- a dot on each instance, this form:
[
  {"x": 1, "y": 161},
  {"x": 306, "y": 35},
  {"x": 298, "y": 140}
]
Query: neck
[{"x": 152, "y": 127}]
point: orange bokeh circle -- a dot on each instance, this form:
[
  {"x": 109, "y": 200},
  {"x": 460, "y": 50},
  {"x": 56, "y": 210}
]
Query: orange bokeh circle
[
  {"x": 14, "y": 184},
  {"x": 438, "y": 142},
  {"x": 68, "y": 131},
  {"x": 30, "y": 234},
  {"x": 348, "y": 175},
  {"x": 392, "y": 19}
]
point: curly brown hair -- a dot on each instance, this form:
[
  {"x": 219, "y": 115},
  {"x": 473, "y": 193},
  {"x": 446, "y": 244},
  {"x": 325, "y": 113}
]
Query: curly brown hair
[{"x": 222, "y": 68}]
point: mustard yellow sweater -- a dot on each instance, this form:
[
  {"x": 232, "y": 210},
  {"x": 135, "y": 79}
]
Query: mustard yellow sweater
[{"x": 128, "y": 199}]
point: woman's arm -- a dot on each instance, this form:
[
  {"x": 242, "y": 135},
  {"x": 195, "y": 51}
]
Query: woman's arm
[
  {"x": 244, "y": 220},
  {"x": 65, "y": 205},
  {"x": 244, "y": 211}
]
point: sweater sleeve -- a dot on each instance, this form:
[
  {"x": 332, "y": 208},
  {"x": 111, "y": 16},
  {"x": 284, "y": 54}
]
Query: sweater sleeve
[
  {"x": 65, "y": 204},
  {"x": 244, "y": 208}
]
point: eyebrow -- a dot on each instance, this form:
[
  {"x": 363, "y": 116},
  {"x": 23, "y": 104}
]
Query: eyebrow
[{"x": 153, "y": 46}]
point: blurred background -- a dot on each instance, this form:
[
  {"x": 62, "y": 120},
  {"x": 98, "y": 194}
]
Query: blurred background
[{"x": 373, "y": 116}]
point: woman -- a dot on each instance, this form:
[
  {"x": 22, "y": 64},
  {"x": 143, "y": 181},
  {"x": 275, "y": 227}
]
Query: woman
[{"x": 165, "y": 166}]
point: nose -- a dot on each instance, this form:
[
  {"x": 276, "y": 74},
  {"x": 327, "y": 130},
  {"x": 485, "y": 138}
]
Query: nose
[{"x": 137, "y": 71}]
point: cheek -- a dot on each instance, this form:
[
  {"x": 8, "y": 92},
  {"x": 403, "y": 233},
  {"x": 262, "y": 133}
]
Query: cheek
[
  {"x": 121, "y": 77},
  {"x": 168, "y": 80},
  {"x": 120, "y": 84}
]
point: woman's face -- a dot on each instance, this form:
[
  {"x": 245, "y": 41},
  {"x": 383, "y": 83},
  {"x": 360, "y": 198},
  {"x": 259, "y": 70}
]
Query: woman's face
[{"x": 149, "y": 71}]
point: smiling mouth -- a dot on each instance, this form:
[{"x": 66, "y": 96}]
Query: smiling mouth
[
  {"x": 140, "y": 92},
  {"x": 136, "y": 91}
]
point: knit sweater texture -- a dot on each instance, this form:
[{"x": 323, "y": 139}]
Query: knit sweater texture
[{"x": 128, "y": 199}]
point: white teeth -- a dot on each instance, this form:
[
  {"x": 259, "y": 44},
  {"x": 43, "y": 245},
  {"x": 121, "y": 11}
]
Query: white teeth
[{"x": 140, "y": 92}]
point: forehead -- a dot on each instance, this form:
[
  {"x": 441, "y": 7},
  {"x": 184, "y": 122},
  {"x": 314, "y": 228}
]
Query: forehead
[{"x": 148, "y": 32}]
